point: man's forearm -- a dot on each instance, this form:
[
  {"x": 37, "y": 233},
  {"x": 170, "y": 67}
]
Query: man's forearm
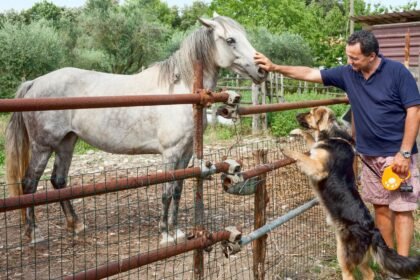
[
  {"x": 300, "y": 73},
  {"x": 411, "y": 128},
  {"x": 296, "y": 72}
]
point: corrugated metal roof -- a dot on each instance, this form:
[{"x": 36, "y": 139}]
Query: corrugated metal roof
[{"x": 397, "y": 17}]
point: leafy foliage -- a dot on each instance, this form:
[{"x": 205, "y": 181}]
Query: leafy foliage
[
  {"x": 27, "y": 51},
  {"x": 43, "y": 10},
  {"x": 127, "y": 37},
  {"x": 189, "y": 14},
  {"x": 286, "y": 48}
]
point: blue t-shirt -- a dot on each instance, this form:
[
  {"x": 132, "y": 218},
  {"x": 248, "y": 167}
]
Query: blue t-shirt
[{"x": 378, "y": 104}]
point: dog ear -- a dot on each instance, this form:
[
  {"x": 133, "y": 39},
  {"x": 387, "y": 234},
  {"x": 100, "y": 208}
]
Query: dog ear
[{"x": 322, "y": 116}]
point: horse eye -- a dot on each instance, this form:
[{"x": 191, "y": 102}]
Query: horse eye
[{"x": 230, "y": 41}]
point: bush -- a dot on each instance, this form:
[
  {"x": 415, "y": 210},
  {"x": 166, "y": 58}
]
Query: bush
[
  {"x": 283, "y": 122},
  {"x": 26, "y": 52},
  {"x": 286, "y": 48}
]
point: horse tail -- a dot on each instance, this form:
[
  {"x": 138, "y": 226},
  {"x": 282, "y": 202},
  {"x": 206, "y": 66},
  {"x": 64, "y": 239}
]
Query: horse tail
[
  {"x": 17, "y": 147},
  {"x": 389, "y": 260}
]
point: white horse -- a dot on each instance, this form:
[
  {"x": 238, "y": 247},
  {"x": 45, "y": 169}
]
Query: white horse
[{"x": 32, "y": 137}]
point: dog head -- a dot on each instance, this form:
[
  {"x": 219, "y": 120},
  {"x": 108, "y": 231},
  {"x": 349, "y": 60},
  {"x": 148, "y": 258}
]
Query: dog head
[{"x": 318, "y": 118}]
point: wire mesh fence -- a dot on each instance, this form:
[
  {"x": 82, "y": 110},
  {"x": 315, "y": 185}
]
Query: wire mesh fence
[{"x": 126, "y": 223}]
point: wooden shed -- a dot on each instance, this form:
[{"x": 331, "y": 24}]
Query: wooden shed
[{"x": 394, "y": 32}]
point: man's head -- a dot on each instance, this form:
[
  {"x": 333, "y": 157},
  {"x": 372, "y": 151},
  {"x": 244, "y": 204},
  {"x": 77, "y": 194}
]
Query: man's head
[{"x": 361, "y": 50}]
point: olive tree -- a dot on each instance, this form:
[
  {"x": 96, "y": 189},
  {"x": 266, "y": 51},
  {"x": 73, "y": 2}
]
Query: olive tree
[{"x": 26, "y": 52}]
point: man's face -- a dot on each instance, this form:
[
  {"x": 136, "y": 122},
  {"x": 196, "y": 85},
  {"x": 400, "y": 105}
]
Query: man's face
[{"x": 356, "y": 59}]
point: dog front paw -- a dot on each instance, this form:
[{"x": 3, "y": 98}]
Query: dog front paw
[
  {"x": 289, "y": 153},
  {"x": 296, "y": 132}
]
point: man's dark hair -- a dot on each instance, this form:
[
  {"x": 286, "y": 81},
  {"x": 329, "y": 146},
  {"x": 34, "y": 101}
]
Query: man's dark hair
[{"x": 368, "y": 42}]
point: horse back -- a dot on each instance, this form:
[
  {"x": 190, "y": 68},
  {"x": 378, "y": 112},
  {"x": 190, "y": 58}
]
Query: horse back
[{"x": 72, "y": 82}]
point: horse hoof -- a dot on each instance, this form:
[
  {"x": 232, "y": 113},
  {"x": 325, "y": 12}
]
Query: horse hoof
[
  {"x": 180, "y": 236},
  {"x": 76, "y": 227},
  {"x": 36, "y": 237},
  {"x": 167, "y": 240},
  {"x": 80, "y": 227}
]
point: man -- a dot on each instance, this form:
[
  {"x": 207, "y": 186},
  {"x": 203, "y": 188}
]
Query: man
[{"x": 385, "y": 103}]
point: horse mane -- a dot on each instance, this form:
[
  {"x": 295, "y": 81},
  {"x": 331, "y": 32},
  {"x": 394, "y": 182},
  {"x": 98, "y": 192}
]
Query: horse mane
[{"x": 198, "y": 46}]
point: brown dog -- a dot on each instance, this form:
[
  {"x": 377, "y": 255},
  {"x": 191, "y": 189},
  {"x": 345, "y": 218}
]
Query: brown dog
[{"x": 330, "y": 170}]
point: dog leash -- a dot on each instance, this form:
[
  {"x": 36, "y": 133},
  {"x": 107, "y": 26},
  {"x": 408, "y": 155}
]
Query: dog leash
[
  {"x": 368, "y": 166},
  {"x": 359, "y": 155}
]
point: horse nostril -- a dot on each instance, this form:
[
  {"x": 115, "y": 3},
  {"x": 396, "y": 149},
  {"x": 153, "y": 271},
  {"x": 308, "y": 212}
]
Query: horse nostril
[{"x": 262, "y": 72}]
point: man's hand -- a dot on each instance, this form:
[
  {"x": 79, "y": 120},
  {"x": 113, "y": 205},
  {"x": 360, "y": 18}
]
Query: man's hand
[
  {"x": 401, "y": 165},
  {"x": 263, "y": 62}
]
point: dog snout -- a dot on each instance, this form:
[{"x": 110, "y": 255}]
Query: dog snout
[{"x": 301, "y": 118}]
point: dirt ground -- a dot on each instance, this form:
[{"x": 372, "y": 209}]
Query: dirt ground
[{"x": 123, "y": 224}]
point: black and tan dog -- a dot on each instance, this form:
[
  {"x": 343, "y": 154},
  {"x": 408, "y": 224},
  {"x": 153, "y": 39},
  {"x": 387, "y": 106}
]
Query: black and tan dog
[{"x": 330, "y": 170}]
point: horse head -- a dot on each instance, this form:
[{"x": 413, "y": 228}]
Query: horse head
[{"x": 232, "y": 48}]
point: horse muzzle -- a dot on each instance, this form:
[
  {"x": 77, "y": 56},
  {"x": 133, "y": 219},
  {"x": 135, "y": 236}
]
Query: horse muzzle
[{"x": 260, "y": 76}]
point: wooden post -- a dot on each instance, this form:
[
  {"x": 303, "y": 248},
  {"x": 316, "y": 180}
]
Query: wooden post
[
  {"x": 256, "y": 128},
  {"x": 271, "y": 87},
  {"x": 282, "y": 87},
  {"x": 214, "y": 116},
  {"x": 407, "y": 49},
  {"x": 259, "y": 246},
  {"x": 263, "y": 102},
  {"x": 277, "y": 86}
]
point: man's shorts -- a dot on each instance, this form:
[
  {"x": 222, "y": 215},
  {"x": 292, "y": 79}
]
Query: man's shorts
[{"x": 375, "y": 193}]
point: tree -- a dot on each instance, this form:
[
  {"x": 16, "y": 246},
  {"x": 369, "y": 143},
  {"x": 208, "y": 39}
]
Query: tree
[
  {"x": 381, "y": 9},
  {"x": 119, "y": 39},
  {"x": 159, "y": 9},
  {"x": 285, "y": 48},
  {"x": 26, "y": 52},
  {"x": 43, "y": 10},
  {"x": 190, "y": 14},
  {"x": 276, "y": 15}
]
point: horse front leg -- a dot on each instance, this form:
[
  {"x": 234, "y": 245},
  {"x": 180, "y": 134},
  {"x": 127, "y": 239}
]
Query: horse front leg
[
  {"x": 64, "y": 154},
  {"x": 37, "y": 164},
  {"x": 29, "y": 186},
  {"x": 73, "y": 222},
  {"x": 179, "y": 156},
  {"x": 163, "y": 224},
  {"x": 174, "y": 209},
  {"x": 182, "y": 163}
]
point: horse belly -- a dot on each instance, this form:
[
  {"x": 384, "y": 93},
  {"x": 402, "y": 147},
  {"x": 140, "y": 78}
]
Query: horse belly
[{"x": 139, "y": 130}]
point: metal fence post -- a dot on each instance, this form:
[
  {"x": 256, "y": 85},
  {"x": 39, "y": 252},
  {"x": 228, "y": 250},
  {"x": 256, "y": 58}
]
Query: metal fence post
[
  {"x": 198, "y": 152},
  {"x": 259, "y": 246}
]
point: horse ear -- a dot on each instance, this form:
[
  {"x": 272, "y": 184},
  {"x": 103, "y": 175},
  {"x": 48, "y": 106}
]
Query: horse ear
[
  {"x": 207, "y": 23},
  {"x": 215, "y": 14}
]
